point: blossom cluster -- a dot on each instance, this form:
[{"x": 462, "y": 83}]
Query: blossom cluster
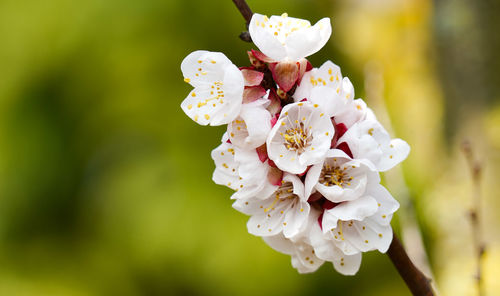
[{"x": 302, "y": 155}]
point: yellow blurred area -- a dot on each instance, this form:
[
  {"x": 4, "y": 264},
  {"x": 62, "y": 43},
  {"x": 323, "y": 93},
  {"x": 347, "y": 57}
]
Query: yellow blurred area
[{"x": 105, "y": 184}]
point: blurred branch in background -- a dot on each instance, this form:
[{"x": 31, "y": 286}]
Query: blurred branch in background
[
  {"x": 410, "y": 230},
  {"x": 474, "y": 214}
]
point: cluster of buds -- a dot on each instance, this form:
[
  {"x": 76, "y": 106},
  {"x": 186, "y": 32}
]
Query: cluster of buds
[{"x": 302, "y": 155}]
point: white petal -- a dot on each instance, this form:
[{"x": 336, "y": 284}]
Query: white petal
[
  {"x": 367, "y": 235},
  {"x": 240, "y": 170},
  {"x": 251, "y": 128},
  {"x": 226, "y": 169},
  {"x": 373, "y": 234},
  {"x": 284, "y": 210},
  {"x": 210, "y": 63},
  {"x": 392, "y": 154},
  {"x": 387, "y": 205},
  {"x": 295, "y": 218},
  {"x": 328, "y": 100},
  {"x": 304, "y": 259},
  {"x": 304, "y": 42},
  {"x": 347, "y": 90},
  {"x": 264, "y": 38},
  {"x": 280, "y": 244},
  {"x": 357, "y": 209},
  {"x": 312, "y": 178},
  {"x": 355, "y": 111},
  {"x": 327, "y": 75},
  {"x": 324, "y": 248},
  {"x": 348, "y": 264}
]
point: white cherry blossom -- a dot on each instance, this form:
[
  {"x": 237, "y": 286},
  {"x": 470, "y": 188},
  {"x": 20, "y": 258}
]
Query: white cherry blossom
[
  {"x": 302, "y": 155},
  {"x": 310, "y": 248},
  {"x": 326, "y": 249},
  {"x": 250, "y": 129},
  {"x": 368, "y": 139},
  {"x": 285, "y": 210},
  {"x": 218, "y": 88},
  {"x": 241, "y": 170},
  {"x": 354, "y": 111},
  {"x": 339, "y": 178},
  {"x": 328, "y": 75},
  {"x": 301, "y": 137},
  {"x": 362, "y": 224},
  {"x": 326, "y": 87},
  {"x": 287, "y": 38}
]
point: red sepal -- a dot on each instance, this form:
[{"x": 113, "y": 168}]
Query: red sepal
[
  {"x": 344, "y": 147},
  {"x": 252, "y": 77},
  {"x": 327, "y": 205},
  {"x": 275, "y": 105},
  {"x": 262, "y": 57},
  {"x": 320, "y": 221},
  {"x": 285, "y": 74},
  {"x": 262, "y": 153},
  {"x": 253, "y": 93},
  {"x": 275, "y": 176},
  {"x": 272, "y": 164}
]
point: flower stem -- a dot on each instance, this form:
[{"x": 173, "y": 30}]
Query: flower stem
[
  {"x": 247, "y": 13},
  {"x": 244, "y": 9},
  {"x": 416, "y": 281}
]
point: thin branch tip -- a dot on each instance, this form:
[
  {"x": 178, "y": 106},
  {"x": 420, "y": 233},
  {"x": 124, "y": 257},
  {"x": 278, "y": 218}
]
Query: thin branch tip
[
  {"x": 245, "y": 36},
  {"x": 244, "y": 9}
]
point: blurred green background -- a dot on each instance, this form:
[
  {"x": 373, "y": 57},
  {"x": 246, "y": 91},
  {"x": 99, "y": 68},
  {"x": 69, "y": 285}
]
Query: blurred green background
[{"x": 105, "y": 184}]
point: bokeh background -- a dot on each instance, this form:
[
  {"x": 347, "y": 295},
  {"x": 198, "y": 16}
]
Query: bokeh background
[{"x": 105, "y": 185}]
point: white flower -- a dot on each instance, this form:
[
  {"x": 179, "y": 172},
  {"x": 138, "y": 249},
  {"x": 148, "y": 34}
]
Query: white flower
[
  {"x": 250, "y": 129},
  {"x": 326, "y": 249},
  {"x": 362, "y": 224},
  {"x": 285, "y": 210},
  {"x": 310, "y": 248},
  {"x": 339, "y": 178},
  {"x": 287, "y": 38},
  {"x": 328, "y": 75},
  {"x": 301, "y": 137},
  {"x": 241, "y": 170},
  {"x": 354, "y": 111},
  {"x": 368, "y": 139},
  {"x": 218, "y": 88},
  {"x": 326, "y": 87}
]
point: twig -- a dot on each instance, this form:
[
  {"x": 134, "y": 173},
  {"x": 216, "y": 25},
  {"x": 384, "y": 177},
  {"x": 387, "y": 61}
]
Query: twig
[
  {"x": 474, "y": 214},
  {"x": 247, "y": 13},
  {"x": 416, "y": 281},
  {"x": 244, "y": 9}
]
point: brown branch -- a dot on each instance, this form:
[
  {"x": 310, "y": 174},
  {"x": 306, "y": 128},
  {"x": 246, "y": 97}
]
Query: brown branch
[
  {"x": 474, "y": 214},
  {"x": 247, "y": 13},
  {"x": 416, "y": 281}
]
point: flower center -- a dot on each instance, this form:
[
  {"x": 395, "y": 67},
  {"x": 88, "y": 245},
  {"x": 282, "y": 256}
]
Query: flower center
[
  {"x": 297, "y": 139},
  {"x": 284, "y": 192},
  {"x": 334, "y": 175}
]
